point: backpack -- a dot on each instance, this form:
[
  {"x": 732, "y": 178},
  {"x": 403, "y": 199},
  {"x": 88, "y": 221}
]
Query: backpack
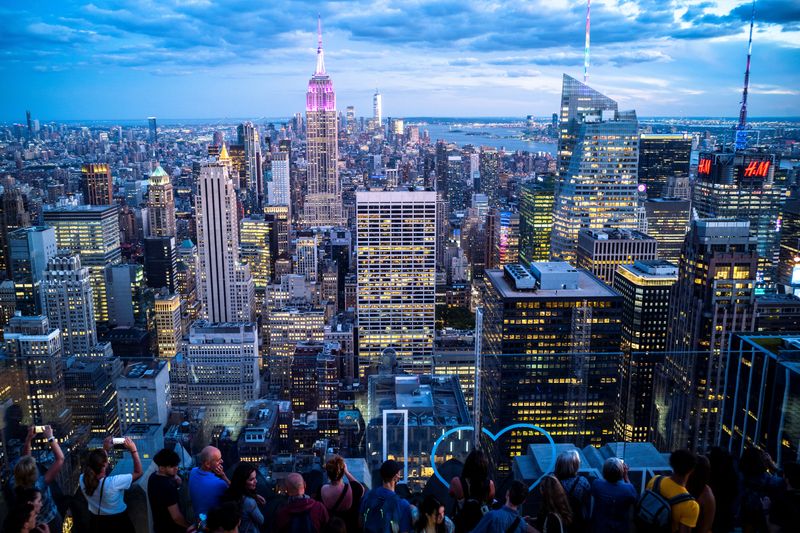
[
  {"x": 301, "y": 523},
  {"x": 383, "y": 516},
  {"x": 579, "y": 521},
  {"x": 469, "y": 513},
  {"x": 653, "y": 513}
]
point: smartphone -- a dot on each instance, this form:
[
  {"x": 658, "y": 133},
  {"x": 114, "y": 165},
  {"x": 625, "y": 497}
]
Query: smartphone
[
  {"x": 119, "y": 443},
  {"x": 38, "y": 429}
]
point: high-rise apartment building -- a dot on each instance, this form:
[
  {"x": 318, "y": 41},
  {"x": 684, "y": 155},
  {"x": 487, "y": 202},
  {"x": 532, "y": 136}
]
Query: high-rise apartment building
[
  {"x": 377, "y": 109},
  {"x": 29, "y": 250},
  {"x": 70, "y": 303},
  {"x": 601, "y": 251},
  {"x": 93, "y": 232},
  {"x": 661, "y": 157},
  {"x": 598, "y": 153},
  {"x": 323, "y": 202},
  {"x": 225, "y": 286},
  {"x": 668, "y": 223},
  {"x": 551, "y": 335},
  {"x": 490, "y": 165},
  {"x": 645, "y": 287},
  {"x": 741, "y": 185},
  {"x": 169, "y": 325},
  {"x": 160, "y": 205},
  {"x": 712, "y": 298},
  {"x": 98, "y": 188},
  {"x": 536, "y": 220},
  {"x": 396, "y": 270}
]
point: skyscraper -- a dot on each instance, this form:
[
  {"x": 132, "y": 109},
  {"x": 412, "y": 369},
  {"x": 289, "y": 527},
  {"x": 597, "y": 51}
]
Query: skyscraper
[
  {"x": 29, "y": 251},
  {"x": 70, "y": 304},
  {"x": 490, "y": 166},
  {"x": 535, "y": 220},
  {"x": 153, "y": 129},
  {"x": 377, "y": 109},
  {"x": 224, "y": 285},
  {"x": 598, "y": 151},
  {"x": 789, "y": 256},
  {"x": 15, "y": 214},
  {"x": 125, "y": 295},
  {"x": 160, "y": 204},
  {"x": 169, "y": 329},
  {"x": 98, "y": 188},
  {"x": 661, "y": 157},
  {"x": 161, "y": 262},
  {"x": 601, "y": 251},
  {"x": 254, "y": 178},
  {"x": 323, "y": 203},
  {"x": 279, "y": 189},
  {"x": 713, "y": 297},
  {"x": 396, "y": 269},
  {"x": 668, "y": 223}
]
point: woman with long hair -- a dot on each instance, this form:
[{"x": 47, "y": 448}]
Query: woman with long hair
[
  {"x": 339, "y": 498},
  {"x": 431, "y": 517},
  {"x": 28, "y": 476},
  {"x": 22, "y": 519},
  {"x": 473, "y": 491},
  {"x": 698, "y": 487},
  {"x": 104, "y": 493},
  {"x": 242, "y": 491},
  {"x": 555, "y": 513}
]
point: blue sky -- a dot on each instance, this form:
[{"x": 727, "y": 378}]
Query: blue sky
[{"x": 67, "y": 59}]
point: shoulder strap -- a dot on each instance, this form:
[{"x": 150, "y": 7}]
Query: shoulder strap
[
  {"x": 100, "y": 502},
  {"x": 680, "y": 498},
  {"x": 560, "y": 523},
  {"x": 657, "y": 485},
  {"x": 514, "y": 525},
  {"x": 572, "y": 489},
  {"x": 340, "y": 499}
]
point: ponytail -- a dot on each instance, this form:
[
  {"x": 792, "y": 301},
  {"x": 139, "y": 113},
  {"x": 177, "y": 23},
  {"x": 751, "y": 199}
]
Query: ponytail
[{"x": 95, "y": 464}]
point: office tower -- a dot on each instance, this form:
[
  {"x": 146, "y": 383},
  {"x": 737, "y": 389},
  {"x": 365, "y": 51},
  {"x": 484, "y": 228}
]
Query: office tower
[
  {"x": 143, "y": 394},
  {"x": 601, "y": 251},
  {"x": 741, "y": 185},
  {"x": 307, "y": 259},
  {"x": 160, "y": 262},
  {"x": 377, "y": 109},
  {"x": 712, "y": 298},
  {"x": 223, "y": 367},
  {"x": 396, "y": 268},
  {"x": 598, "y": 157},
  {"x": 15, "y": 214},
  {"x": 153, "y": 131},
  {"x": 160, "y": 205},
  {"x": 490, "y": 166},
  {"x": 350, "y": 119},
  {"x": 668, "y": 223},
  {"x": 98, "y": 188},
  {"x": 225, "y": 286},
  {"x": 536, "y": 219},
  {"x": 280, "y": 189},
  {"x": 761, "y": 395},
  {"x": 645, "y": 287},
  {"x": 8, "y": 302},
  {"x": 283, "y": 329},
  {"x": 91, "y": 395},
  {"x": 255, "y": 235},
  {"x": 70, "y": 304},
  {"x": 323, "y": 201},
  {"x": 29, "y": 249},
  {"x": 502, "y": 231},
  {"x": 93, "y": 232},
  {"x": 279, "y": 215},
  {"x": 457, "y": 188},
  {"x": 254, "y": 175},
  {"x": 125, "y": 289},
  {"x": 33, "y": 373},
  {"x": 169, "y": 325},
  {"x": 663, "y": 157},
  {"x": 551, "y": 335},
  {"x": 789, "y": 255},
  {"x": 315, "y": 376}
]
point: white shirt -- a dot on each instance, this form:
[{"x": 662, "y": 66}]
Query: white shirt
[{"x": 113, "y": 492}]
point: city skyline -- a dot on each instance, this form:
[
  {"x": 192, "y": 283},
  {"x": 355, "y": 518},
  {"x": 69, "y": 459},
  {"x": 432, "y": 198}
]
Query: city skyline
[{"x": 686, "y": 58}]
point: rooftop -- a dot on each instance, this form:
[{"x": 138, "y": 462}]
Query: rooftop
[
  {"x": 145, "y": 370},
  {"x": 588, "y": 286}
]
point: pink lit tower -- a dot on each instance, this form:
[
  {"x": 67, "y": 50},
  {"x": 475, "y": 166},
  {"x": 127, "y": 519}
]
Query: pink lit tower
[{"x": 323, "y": 203}]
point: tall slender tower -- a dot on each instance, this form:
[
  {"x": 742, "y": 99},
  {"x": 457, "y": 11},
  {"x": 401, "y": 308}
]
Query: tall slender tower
[
  {"x": 70, "y": 304},
  {"x": 161, "y": 204},
  {"x": 98, "y": 189},
  {"x": 377, "y": 109},
  {"x": 254, "y": 179},
  {"x": 224, "y": 285},
  {"x": 323, "y": 203}
]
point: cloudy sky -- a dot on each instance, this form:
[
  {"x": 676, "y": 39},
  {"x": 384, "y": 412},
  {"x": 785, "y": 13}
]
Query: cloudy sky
[{"x": 126, "y": 59}]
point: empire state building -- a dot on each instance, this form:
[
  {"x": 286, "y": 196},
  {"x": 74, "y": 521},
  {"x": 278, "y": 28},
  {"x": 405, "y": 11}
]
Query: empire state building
[{"x": 323, "y": 203}]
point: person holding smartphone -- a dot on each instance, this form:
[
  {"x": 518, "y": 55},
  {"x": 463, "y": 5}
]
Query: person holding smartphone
[
  {"x": 27, "y": 476},
  {"x": 104, "y": 493}
]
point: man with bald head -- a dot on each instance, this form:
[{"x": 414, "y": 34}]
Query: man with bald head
[
  {"x": 300, "y": 513},
  {"x": 207, "y": 482}
]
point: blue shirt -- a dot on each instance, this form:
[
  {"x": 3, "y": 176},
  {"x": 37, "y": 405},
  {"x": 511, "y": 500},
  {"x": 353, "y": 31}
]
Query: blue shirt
[
  {"x": 371, "y": 500},
  {"x": 612, "y": 505},
  {"x": 500, "y": 520},
  {"x": 205, "y": 490}
]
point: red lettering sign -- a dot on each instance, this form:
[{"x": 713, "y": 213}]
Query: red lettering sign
[
  {"x": 704, "y": 167},
  {"x": 757, "y": 169}
]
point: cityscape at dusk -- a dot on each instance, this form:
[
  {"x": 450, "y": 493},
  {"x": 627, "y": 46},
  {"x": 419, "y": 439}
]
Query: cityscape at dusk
[{"x": 383, "y": 267}]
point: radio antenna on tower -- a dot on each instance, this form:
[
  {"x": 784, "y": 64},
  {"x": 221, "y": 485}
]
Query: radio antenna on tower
[
  {"x": 741, "y": 128},
  {"x": 586, "y": 48}
]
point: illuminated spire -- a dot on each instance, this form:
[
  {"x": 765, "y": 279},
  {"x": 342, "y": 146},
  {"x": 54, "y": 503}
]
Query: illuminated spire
[
  {"x": 741, "y": 129},
  {"x": 320, "y": 54},
  {"x": 223, "y": 153}
]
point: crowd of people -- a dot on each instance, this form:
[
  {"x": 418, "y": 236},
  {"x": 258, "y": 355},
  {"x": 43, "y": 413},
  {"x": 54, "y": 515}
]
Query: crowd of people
[{"x": 713, "y": 493}]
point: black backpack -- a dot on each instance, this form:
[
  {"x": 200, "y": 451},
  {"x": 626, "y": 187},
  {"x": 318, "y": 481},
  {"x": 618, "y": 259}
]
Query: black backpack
[
  {"x": 653, "y": 513},
  {"x": 470, "y": 512}
]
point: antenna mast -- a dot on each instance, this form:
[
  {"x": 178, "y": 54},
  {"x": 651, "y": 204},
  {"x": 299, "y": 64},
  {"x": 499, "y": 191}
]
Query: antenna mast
[
  {"x": 586, "y": 48},
  {"x": 741, "y": 128}
]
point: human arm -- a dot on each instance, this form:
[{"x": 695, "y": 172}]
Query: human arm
[
  {"x": 251, "y": 508},
  {"x": 491, "y": 490},
  {"x": 137, "y": 462},
  {"x": 706, "y": 521},
  {"x": 58, "y": 463},
  {"x": 26, "y": 448},
  {"x": 177, "y": 516},
  {"x": 625, "y": 469},
  {"x": 220, "y": 473}
]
